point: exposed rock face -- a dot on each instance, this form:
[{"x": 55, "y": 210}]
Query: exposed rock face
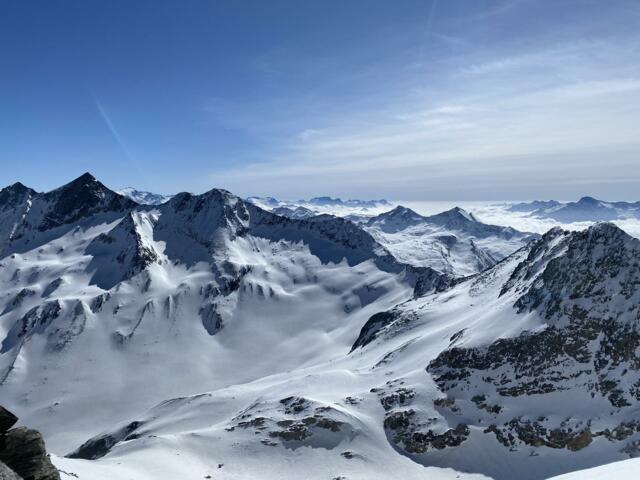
[
  {"x": 120, "y": 253},
  {"x": 22, "y": 452},
  {"x": 99, "y": 446},
  {"x": 586, "y": 286},
  {"x": 7, "y": 474},
  {"x": 26, "y": 216},
  {"x": 81, "y": 198},
  {"x": 414, "y": 438},
  {"x": 7, "y": 420},
  {"x": 295, "y": 421}
]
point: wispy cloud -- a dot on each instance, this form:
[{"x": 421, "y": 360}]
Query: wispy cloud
[
  {"x": 116, "y": 135},
  {"x": 479, "y": 121}
]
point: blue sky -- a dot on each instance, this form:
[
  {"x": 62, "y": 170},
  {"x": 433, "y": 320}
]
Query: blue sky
[{"x": 409, "y": 100}]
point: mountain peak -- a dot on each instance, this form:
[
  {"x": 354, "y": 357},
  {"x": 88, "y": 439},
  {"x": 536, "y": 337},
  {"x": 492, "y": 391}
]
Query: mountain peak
[
  {"x": 603, "y": 232},
  {"x": 455, "y": 217},
  {"x": 82, "y": 197},
  {"x": 588, "y": 201},
  {"x": 14, "y": 194},
  {"x": 599, "y": 263},
  {"x": 401, "y": 210},
  {"x": 84, "y": 181},
  {"x": 86, "y": 177},
  {"x": 18, "y": 187},
  {"x": 396, "y": 219}
]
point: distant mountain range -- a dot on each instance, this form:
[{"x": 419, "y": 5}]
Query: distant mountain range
[
  {"x": 319, "y": 205},
  {"x": 587, "y": 209},
  {"x": 452, "y": 242}
]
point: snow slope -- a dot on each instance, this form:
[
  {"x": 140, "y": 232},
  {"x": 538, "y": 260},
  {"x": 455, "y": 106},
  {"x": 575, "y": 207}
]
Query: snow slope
[{"x": 625, "y": 470}]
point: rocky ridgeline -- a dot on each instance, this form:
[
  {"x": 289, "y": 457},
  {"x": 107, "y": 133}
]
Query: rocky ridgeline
[
  {"x": 586, "y": 287},
  {"x": 291, "y": 421},
  {"x": 22, "y": 452}
]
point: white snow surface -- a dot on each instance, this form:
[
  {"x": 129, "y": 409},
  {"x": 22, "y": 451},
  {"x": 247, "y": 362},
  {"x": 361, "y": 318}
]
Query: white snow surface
[{"x": 624, "y": 470}]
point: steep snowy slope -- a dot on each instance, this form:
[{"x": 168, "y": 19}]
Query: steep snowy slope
[
  {"x": 527, "y": 370},
  {"x": 106, "y": 307},
  {"x": 453, "y": 242}
]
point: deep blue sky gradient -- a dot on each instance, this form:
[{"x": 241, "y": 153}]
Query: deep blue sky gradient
[{"x": 299, "y": 98}]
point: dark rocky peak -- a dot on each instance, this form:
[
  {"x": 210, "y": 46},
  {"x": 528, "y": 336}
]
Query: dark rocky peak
[
  {"x": 81, "y": 198},
  {"x": 86, "y": 187},
  {"x": 14, "y": 195},
  {"x": 574, "y": 277}
]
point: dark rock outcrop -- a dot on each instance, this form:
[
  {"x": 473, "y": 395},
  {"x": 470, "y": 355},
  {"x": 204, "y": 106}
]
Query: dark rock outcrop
[
  {"x": 99, "y": 446},
  {"x": 22, "y": 452},
  {"x": 7, "y": 474},
  {"x": 7, "y": 420}
]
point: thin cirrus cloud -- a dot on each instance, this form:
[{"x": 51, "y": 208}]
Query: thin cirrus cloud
[{"x": 562, "y": 116}]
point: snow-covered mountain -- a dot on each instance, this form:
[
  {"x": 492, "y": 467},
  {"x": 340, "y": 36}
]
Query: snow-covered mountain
[
  {"x": 29, "y": 219},
  {"x": 144, "y": 198},
  {"x": 105, "y": 285},
  {"x": 587, "y": 209},
  {"x": 536, "y": 358},
  {"x": 277, "y": 347},
  {"x": 452, "y": 242},
  {"x": 527, "y": 370}
]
